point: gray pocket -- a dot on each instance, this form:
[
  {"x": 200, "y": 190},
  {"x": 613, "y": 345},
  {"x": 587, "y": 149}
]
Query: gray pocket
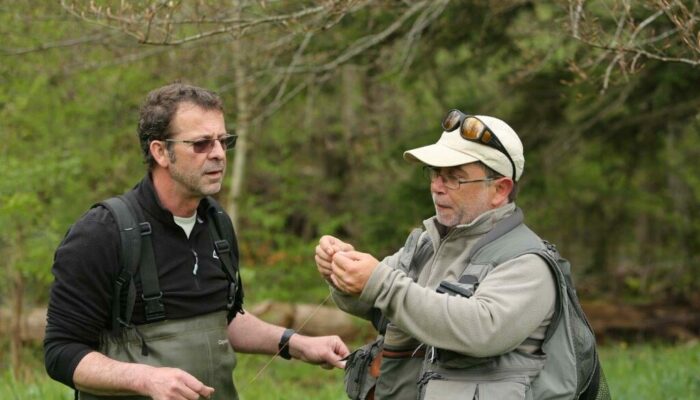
[
  {"x": 398, "y": 377},
  {"x": 439, "y": 389},
  {"x": 358, "y": 380}
]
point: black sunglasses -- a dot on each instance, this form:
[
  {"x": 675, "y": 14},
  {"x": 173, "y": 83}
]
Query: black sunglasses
[
  {"x": 475, "y": 130},
  {"x": 206, "y": 145}
]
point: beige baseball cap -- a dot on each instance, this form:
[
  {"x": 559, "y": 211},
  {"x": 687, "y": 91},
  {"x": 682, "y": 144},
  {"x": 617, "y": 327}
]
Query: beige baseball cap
[{"x": 452, "y": 150}]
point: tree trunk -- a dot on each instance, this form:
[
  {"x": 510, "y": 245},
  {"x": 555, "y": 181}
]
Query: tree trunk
[{"x": 242, "y": 125}]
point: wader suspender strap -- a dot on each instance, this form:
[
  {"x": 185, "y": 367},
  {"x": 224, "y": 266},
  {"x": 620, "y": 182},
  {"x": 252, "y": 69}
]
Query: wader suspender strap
[
  {"x": 227, "y": 249},
  {"x": 129, "y": 251},
  {"x": 551, "y": 259},
  {"x": 502, "y": 227},
  {"x": 136, "y": 251},
  {"x": 151, "y": 295},
  {"x": 467, "y": 283},
  {"x": 406, "y": 265}
]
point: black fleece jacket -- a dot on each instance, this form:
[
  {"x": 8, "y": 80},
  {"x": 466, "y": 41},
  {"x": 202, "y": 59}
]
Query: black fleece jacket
[{"x": 86, "y": 265}]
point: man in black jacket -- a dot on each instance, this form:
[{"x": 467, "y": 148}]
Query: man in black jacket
[{"x": 188, "y": 353}]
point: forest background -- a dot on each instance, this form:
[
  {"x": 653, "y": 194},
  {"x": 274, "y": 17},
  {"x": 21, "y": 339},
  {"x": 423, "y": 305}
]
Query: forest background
[{"x": 326, "y": 95}]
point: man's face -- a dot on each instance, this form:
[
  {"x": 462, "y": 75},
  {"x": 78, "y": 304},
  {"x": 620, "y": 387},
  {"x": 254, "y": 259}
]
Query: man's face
[
  {"x": 197, "y": 174},
  {"x": 462, "y": 205}
]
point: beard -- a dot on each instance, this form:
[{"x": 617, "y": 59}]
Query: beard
[
  {"x": 196, "y": 182},
  {"x": 462, "y": 213}
]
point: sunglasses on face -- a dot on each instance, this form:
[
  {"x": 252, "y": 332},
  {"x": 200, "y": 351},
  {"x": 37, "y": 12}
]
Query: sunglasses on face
[
  {"x": 205, "y": 145},
  {"x": 475, "y": 130}
]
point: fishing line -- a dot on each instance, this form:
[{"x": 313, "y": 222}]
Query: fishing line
[{"x": 318, "y": 307}]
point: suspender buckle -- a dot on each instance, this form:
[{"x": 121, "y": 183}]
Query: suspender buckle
[
  {"x": 145, "y": 228},
  {"x": 154, "y": 307},
  {"x": 122, "y": 279},
  {"x": 222, "y": 246},
  {"x": 231, "y": 295},
  {"x": 122, "y": 323}
]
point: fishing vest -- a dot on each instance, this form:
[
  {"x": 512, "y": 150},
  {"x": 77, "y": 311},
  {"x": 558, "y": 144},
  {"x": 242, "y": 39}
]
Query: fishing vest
[{"x": 567, "y": 367}]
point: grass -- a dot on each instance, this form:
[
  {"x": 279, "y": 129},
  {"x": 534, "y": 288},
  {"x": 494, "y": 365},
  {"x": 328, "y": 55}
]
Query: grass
[
  {"x": 652, "y": 371},
  {"x": 645, "y": 371}
]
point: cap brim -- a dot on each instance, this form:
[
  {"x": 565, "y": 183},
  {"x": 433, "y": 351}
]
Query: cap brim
[{"x": 437, "y": 155}]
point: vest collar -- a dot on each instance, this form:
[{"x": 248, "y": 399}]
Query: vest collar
[{"x": 482, "y": 224}]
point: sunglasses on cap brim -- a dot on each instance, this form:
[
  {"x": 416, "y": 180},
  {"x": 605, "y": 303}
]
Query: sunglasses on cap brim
[{"x": 473, "y": 129}]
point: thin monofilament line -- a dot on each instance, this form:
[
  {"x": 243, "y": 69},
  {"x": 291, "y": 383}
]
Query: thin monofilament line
[{"x": 318, "y": 307}]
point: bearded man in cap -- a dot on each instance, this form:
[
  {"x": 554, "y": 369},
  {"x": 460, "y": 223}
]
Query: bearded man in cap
[{"x": 469, "y": 298}]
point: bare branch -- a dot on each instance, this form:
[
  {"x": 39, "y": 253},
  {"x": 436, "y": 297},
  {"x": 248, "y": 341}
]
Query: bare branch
[
  {"x": 364, "y": 43},
  {"x": 667, "y": 33},
  {"x": 60, "y": 44},
  {"x": 575, "y": 12},
  {"x": 278, "y": 103},
  {"x": 128, "y": 23},
  {"x": 295, "y": 60},
  {"x": 430, "y": 14}
]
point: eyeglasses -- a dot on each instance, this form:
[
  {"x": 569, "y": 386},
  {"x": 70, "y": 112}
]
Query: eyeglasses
[
  {"x": 475, "y": 130},
  {"x": 206, "y": 145},
  {"x": 450, "y": 181}
]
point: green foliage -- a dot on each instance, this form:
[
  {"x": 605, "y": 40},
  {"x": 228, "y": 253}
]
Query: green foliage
[
  {"x": 652, "y": 371},
  {"x": 39, "y": 387}
]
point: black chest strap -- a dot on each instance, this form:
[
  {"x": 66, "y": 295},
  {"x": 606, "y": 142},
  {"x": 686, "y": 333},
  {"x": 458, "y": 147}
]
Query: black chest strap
[
  {"x": 136, "y": 252},
  {"x": 226, "y": 247}
]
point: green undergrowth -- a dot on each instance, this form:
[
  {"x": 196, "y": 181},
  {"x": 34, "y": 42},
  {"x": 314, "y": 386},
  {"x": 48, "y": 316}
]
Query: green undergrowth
[{"x": 640, "y": 371}]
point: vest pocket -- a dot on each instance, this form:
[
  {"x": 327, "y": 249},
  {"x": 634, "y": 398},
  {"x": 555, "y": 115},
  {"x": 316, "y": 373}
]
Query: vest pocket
[
  {"x": 398, "y": 376},
  {"x": 442, "y": 389},
  {"x": 359, "y": 379},
  {"x": 447, "y": 390}
]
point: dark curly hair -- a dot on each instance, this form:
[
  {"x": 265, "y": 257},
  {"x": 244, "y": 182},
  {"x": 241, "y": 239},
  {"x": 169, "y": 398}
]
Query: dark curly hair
[{"x": 158, "y": 110}]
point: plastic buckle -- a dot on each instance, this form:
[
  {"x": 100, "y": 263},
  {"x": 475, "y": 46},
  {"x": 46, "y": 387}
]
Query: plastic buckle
[
  {"x": 151, "y": 298},
  {"x": 154, "y": 307},
  {"x": 222, "y": 246},
  {"x": 123, "y": 323},
  {"x": 123, "y": 279},
  {"x": 145, "y": 228},
  {"x": 231, "y": 295}
]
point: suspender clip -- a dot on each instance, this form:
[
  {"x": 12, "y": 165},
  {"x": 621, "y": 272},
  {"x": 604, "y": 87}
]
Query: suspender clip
[
  {"x": 154, "y": 307},
  {"x": 222, "y": 246},
  {"x": 145, "y": 228}
]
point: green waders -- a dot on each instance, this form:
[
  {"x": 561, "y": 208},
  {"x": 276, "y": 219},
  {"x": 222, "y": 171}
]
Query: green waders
[{"x": 197, "y": 345}]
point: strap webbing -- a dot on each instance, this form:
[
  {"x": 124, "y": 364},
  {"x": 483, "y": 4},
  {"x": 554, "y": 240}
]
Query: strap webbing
[
  {"x": 409, "y": 250},
  {"x": 136, "y": 252},
  {"x": 226, "y": 247},
  {"x": 148, "y": 272},
  {"x": 501, "y": 228},
  {"x": 407, "y": 265},
  {"x": 129, "y": 253}
]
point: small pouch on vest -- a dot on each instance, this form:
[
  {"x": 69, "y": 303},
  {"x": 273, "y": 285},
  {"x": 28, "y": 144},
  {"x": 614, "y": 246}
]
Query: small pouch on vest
[
  {"x": 439, "y": 388},
  {"x": 360, "y": 376},
  {"x": 465, "y": 287},
  {"x": 447, "y": 390}
]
